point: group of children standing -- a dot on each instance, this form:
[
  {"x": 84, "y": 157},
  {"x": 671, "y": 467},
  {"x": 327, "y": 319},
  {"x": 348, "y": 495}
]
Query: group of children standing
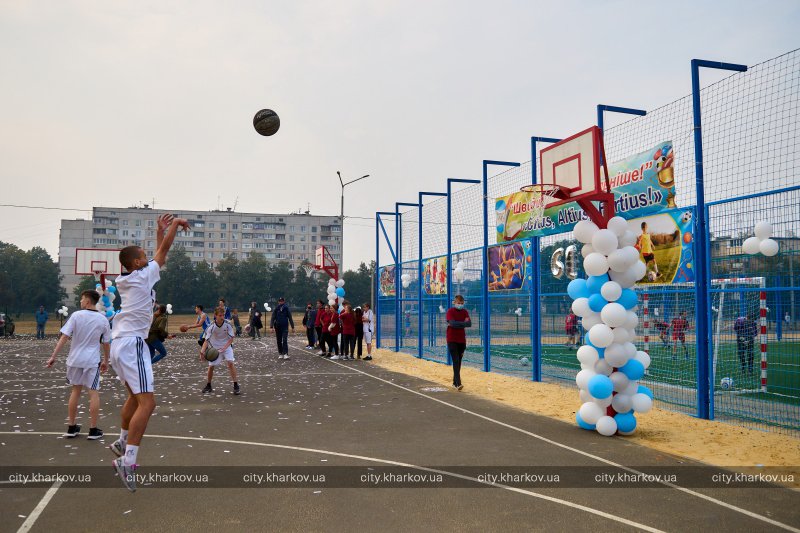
[{"x": 354, "y": 325}]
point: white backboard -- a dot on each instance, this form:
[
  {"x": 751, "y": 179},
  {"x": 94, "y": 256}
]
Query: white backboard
[
  {"x": 89, "y": 261},
  {"x": 573, "y": 164}
]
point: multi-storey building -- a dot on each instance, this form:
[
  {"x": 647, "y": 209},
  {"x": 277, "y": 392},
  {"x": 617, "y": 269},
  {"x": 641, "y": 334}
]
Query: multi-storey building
[{"x": 291, "y": 238}]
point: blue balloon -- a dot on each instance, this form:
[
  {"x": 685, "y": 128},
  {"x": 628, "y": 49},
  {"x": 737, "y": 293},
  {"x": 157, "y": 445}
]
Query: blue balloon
[
  {"x": 112, "y": 289},
  {"x": 583, "y": 424},
  {"x": 106, "y": 300},
  {"x": 628, "y": 299},
  {"x": 633, "y": 369},
  {"x": 340, "y": 292},
  {"x": 341, "y": 308},
  {"x": 109, "y": 313},
  {"x": 594, "y": 283},
  {"x": 644, "y": 390},
  {"x": 577, "y": 289},
  {"x": 501, "y": 228},
  {"x": 600, "y": 387},
  {"x": 500, "y": 205},
  {"x": 626, "y": 422},
  {"x": 597, "y": 302}
]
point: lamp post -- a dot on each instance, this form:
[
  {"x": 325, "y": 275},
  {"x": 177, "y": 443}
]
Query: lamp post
[{"x": 345, "y": 184}]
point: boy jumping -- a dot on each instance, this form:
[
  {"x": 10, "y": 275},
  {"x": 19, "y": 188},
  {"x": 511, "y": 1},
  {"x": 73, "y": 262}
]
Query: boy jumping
[
  {"x": 131, "y": 325},
  {"x": 89, "y": 331},
  {"x": 219, "y": 335}
]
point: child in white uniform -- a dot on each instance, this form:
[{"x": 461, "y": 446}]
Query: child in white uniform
[
  {"x": 219, "y": 335},
  {"x": 89, "y": 332}
]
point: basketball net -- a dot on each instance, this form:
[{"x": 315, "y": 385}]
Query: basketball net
[
  {"x": 100, "y": 277},
  {"x": 308, "y": 269},
  {"x": 541, "y": 196}
]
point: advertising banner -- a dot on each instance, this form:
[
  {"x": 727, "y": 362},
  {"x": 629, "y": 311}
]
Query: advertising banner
[{"x": 509, "y": 266}]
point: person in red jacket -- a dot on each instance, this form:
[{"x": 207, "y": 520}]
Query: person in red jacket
[
  {"x": 324, "y": 321},
  {"x": 457, "y": 319},
  {"x": 318, "y": 324},
  {"x": 348, "y": 321},
  {"x": 679, "y": 327},
  {"x": 571, "y": 329},
  {"x": 334, "y": 328}
]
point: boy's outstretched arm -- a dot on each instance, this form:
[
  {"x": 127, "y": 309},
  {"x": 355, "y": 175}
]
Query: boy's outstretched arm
[{"x": 165, "y": 241}]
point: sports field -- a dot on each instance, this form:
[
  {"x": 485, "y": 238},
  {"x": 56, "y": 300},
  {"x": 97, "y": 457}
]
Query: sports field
[{"x": 399, "y": 453}]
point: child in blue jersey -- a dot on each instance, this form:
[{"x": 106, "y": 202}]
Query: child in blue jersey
[{"x": 202, "y": 322}]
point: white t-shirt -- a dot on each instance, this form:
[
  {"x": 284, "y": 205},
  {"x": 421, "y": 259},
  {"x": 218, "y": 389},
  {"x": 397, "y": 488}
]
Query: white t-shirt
[
  {"x": 87, "y": 330},
  {"x": 218, "y": 336},
  {"x": 136, "y": 291},
  {"x": 368, "y": 319}
]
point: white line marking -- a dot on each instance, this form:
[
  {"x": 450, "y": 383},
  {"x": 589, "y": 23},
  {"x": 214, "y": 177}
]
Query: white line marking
[
  {"x": 551, "y": 499},
  {"x": 28, "y": 523},
  {"x": 585, "y": 454}
]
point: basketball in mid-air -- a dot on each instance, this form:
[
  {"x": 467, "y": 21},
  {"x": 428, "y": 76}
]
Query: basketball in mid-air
[
  {"x": 184, "y": 328},
  {"x": 266, "y": 122},
  {"x": 211, "y": 354}
]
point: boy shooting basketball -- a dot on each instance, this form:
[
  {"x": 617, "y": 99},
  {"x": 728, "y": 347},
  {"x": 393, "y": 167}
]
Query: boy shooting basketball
[{"x": 131, "y": 325}]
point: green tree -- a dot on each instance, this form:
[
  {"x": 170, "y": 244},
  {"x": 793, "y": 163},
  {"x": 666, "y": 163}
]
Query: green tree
[
  {"x": 229, "y": 281},
  {"x": 280, "y": 284},
  {"x": 12, "y": 273},
  {"x": 177, "y": 281},
  {"x": 254, "y": 274},
  {"x": 86, "y": 283},
  {"x": 206, "y": 286},
  {"x": 357, "y": 284}
]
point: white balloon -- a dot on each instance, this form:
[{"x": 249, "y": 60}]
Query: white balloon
[
  {"x": 266, "y": 306},
  {"x": 620, "y": 381},
  {"x": 606, "y": 426},
  {"x": 587, "y": 367},
  {"x": 625, "y": 279},
  {"x": 769, "y": 247},
  {"x": 763, "y": 230},
  {"x": 269, "y": 309},
  {"x": 596, "y": 264},
  {"x": 332, "y": 281},
  {"x": 584, "y": 396},
  {"x": 614, "y": 315},
  {"x": 631, "y": 389},
  {"x": 618, "y": 226},
  {"x": 585, "y": 230},
  {"x": 581, "y": 307},
  {"x": 591, "y": 320},
  {"x": 604, "y": 241},
  {"x": 340, "y": 283},
  {"x": 643, "y": 357},
  {"x": 751, "y": 245},
  {"x": 66, "y": 314},
  {"x": 583, "y": 377},
  {"x": 628, "y": 239},
  {"x": 615, "y": 355},
  {"x": 622, "y": 403},
  {"x": 602, "y": 402},
  {"x": 630, "y": 350},
  {"x": 460, "y": 265},
  {"x": 618, "y": 260},
  {"x": 586, "y": 250},
  {"x": 611, "y": 291},
  {"x": 642, "y": 403},
  {"x": 601, "y": 335},
  {"x": 65, "y": 308},
  {"x": 621, "y": 335},
  {"x": 588, "y": 355},
  {"x": 602, "y": 367},
  {"x": 591, "y": 412},
  {"x": 632, "y": 320},
  {"x": 638, "y": 270}
]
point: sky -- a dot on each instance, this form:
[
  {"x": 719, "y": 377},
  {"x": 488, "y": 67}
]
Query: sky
[{"x": 151, "y": 102}]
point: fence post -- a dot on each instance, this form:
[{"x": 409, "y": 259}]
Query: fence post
[
  {"x": 702, "y": 298},
  {"x": 486, "y": 320},
  {"x": 379, "y": 223},
  {"x": 536, "y": 283},
  {"x": 450, "y": 266}
]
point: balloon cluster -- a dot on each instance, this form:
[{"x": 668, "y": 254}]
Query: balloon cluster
[
  {"x": 267, "y": 308},
  {"x": 518, "y": 311},
  {"x": 169, "y": 309},
  {"x": 106, "y": 304},
  {"x": 762, "y": 241},
  {"x": 336, "y": 291},
  {"x": 405, "y": 279},
  {"x": 63, "y": 311},
  {"x": 458, "y": 272},
  {"x": 611, "y": 366}
]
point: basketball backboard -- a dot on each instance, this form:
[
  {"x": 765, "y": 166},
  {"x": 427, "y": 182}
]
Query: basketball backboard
[
  {"x": 92, "y": 261},
  {"x": 324, "y": 261},
  {"x": 577, "y": 166}
]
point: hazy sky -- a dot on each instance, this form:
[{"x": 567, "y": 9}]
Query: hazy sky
[{"x": 119, "y": 103}]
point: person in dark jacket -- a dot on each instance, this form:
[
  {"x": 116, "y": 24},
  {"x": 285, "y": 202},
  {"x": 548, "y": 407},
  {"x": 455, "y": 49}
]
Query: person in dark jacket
[
  {"x": 41, "y": 320},
  {"x": 254, "y": 321},
  {"x": 746, "y": 330},
  {"x": 309, "y": 321},
  {"x": 280, "y": 322},
  {"x": 318, "y": 325},
  {"x": 457, "y": 319},
  {"x": 359, "y": 314},
  {"x": 158, "y": 334}
]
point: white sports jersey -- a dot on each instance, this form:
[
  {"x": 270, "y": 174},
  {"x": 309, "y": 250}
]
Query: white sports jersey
[
  {"x": 218, "y": 336},
  {"x": 136, "y": 290},
  {"x": 368, "y": 319},
  {"x": 87, "y": 330}
]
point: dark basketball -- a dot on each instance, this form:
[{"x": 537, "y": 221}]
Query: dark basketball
[{"x": 266, "y": 122}]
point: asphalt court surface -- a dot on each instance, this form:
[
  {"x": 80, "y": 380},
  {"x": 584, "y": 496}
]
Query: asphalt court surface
[{"x": 345, "y": 420}]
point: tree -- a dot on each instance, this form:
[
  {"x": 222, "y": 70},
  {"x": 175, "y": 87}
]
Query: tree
[
  {"x": 254, "y": 273},
  {"x": 87, "y": 283},
  {"x": 206, "y": 290},
  {"x": 229, "y": 281},
  {"x": 177, "y": 281},
  {"x": 358, "y": 284}
]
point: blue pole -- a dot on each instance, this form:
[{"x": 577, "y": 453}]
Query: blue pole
[
  {"x": 420, "y": 271},
  {"x": 399, "y": 270},
  {"x": 450, "y": 266},
  {"x": 486, "y": 320},
  {"x": 702, "y": 260},
  {"x": 536, "y": 284},
  {"x": 376, "y": 283},
  {"x": 615, "y": 109}
]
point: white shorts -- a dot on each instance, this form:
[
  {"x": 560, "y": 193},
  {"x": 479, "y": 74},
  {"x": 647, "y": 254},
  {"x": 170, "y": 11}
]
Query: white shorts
[
  {"x": 131, "y": 364},
  {"x": 227, "y": 355},
  {"x": 367, "y": 336},
  {"x": 85, "y": 377}
]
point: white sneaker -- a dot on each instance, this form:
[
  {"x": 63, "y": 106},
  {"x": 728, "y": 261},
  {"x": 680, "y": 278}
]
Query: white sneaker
[
  {"x": 335, "y": 357},
  {"x": 286, "y": 356},
  {"x": 125, "y": 473}
]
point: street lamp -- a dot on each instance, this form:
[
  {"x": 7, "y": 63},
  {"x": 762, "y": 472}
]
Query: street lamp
[{"x": 341, "y": 255}]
